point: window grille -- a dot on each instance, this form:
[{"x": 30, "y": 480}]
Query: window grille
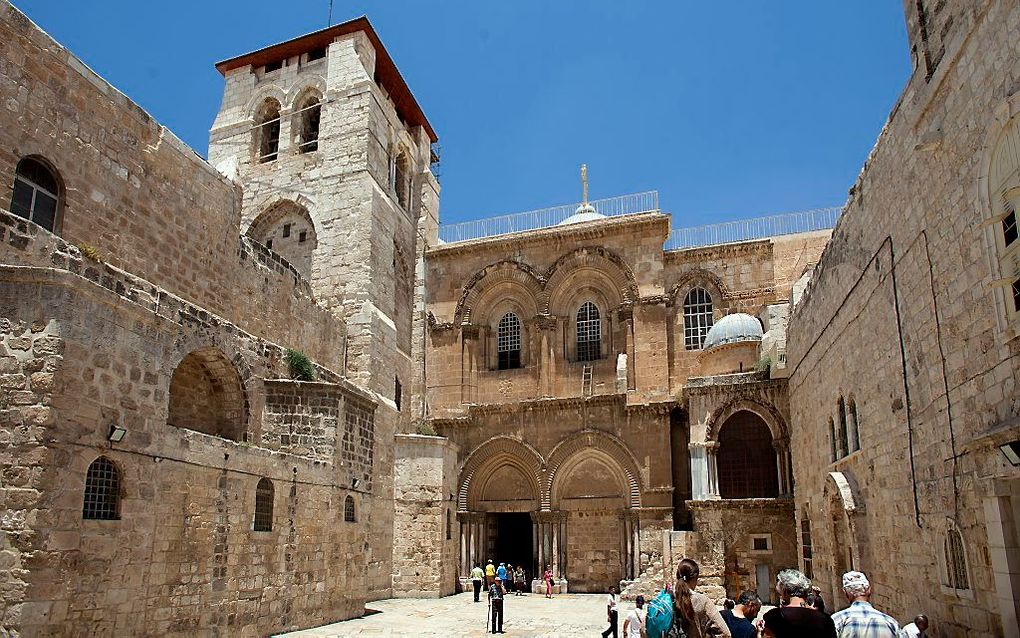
[
  {"x": 102, "y": 491},
  {"x": 263, "y": 506},
  {"x": 746, "y": 460},
  {"x": 697, "y": 318},
  {"x": 760, "y": 543},
  {"x": 589, "y": 332},
  {"x": 805, "y": 545},
  {"x": 508, "y": 342},
  {"x": 956, "y": 561},
  {"x": 35, "y": 194},
  {"x": 349, "y": 509}
]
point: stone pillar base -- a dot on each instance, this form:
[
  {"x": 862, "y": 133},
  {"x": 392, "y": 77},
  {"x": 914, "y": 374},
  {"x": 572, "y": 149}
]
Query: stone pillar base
[{"x": 559, "y": 586}]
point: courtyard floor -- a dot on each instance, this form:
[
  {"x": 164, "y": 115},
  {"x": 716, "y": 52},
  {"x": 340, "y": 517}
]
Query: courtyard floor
[{"x": 532, "y": 615}]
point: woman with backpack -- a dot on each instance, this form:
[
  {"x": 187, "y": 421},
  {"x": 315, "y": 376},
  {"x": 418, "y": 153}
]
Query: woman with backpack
[{"x": 694, "y": 614}]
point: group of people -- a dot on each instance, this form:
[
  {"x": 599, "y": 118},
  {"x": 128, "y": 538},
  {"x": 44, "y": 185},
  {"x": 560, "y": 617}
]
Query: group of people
[
  {"x": 801, "y": 612},
  {"x": 500, "y": 581}
]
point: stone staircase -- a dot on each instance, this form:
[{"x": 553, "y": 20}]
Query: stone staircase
[{"x": 662, "y": 569}]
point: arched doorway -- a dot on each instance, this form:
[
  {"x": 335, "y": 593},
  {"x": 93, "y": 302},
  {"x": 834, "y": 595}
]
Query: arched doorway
[
  {"x": 843, "y": 503},
  {"x": 507, "y": 497},
  {"x": 590, "y": 491},
  {"x": 746, "y": 459}
]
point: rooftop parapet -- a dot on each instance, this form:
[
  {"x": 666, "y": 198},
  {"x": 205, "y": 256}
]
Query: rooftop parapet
[{"x": 751, "y": 229}]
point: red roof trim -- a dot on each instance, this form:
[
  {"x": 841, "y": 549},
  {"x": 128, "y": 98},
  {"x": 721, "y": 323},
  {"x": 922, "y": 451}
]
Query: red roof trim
[{"x": 386, "y": 71}]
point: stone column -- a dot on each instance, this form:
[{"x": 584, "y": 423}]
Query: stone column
[
  {"x": 562, "y": 523},
  {"x": 712, "y": 448},
  {"x": 635, "y": 546},
  {"x": 627, "y": 318},
  {"x": 469, "y": 362},
  {"x": 465, "y": 547},
  {"x": 699, "y": 470},
  {"x": 546, "y": 327}
]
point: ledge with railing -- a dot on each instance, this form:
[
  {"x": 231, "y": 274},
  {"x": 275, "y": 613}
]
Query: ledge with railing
[{"x": 647, "y": 202}]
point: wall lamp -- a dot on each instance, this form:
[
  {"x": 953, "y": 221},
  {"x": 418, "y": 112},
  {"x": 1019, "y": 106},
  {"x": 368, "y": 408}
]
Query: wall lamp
[
  {"x": 1011, "y": 451},
  {"x": 116, "y": 434}
]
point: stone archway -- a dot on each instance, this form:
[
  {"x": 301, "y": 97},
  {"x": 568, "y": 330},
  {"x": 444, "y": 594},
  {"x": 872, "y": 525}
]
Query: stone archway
[
  {"x": 746, "y": 459},
  {"x": 843, "y": 505},
  {"x": 206, "y": 395}
]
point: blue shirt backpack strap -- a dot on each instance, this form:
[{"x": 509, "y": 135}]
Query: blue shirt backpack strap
[{"x": 659, "y": 618}]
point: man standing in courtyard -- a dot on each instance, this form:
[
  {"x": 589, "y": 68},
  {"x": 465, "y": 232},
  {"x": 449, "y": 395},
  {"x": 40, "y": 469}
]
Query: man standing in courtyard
[
  {"x": 635, "y": 621},
  {"x": 740, "y": 618},
  {"x": 490, "y": 573},
  {"x": 477, "y": 576},
  {"x": 496, "y": 593},
  {"x": 860, "y": 619}
]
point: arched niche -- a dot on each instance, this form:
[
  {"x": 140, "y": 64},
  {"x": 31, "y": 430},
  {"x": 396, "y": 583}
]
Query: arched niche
[
  {"x": 206, "y": 395},
  {"x": 746, "y": 459},
  {"x": 286, "y": 228}
]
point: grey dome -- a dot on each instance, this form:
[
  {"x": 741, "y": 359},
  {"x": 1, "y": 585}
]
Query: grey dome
[
  {"x": 584, "y": 213},
  {"x": 734, "y": 329}
]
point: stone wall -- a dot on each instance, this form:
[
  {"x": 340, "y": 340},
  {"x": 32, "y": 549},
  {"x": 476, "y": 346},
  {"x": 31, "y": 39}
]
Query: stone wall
[{"x": 903, "y": 317}]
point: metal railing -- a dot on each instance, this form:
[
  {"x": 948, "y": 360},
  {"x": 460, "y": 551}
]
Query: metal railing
[
  {"x": 544, "y": 218},
  {"x": 750, "y": 229}
]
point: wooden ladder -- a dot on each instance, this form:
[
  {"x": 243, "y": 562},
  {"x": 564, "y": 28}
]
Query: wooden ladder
[{"x": 586, "y": 376}]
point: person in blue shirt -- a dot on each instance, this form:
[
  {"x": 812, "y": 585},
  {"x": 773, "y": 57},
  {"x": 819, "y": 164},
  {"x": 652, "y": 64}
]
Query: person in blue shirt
[{"x": 501, "y": 572}]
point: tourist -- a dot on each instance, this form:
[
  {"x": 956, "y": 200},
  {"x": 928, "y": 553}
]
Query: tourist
[
  {"x": 508, "y": 582},
  {"x": 520, "y": 582},
  {"x": 918, "y": 628},
  {"x": 477, "y": 575},
  {"x": 501, "y": 572},
  {"x": 740, "y": 619},
  {"x": 793, "y": 618},
  {"x": 814, "y": 601},
  {"x": 635, "y": 621},
  {"x": 694, "y": 612},
  {"x": 496, "y": 593},
  {"x": 490, "y": 573},
  {"x": 611, "y": 614},
  {"x": 548, "y": 578},
  {"x": 860, "y": 619}
]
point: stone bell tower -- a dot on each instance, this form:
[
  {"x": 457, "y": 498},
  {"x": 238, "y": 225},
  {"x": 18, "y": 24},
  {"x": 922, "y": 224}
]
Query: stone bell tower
[{"x": 333, "y": 156}]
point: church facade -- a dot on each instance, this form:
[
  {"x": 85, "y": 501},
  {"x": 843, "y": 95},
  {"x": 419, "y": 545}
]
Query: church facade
[{"x": 248, "y": 394}]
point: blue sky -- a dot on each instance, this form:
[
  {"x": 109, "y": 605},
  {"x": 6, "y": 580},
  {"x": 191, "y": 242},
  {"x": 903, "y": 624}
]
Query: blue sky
[{"x": 729, "y": 110}]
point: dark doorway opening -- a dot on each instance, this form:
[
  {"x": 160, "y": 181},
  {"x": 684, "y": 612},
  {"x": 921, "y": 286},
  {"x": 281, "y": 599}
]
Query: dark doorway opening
[
  {"x": 514, "y": 542},
  {"x": 679, "y": 440}
]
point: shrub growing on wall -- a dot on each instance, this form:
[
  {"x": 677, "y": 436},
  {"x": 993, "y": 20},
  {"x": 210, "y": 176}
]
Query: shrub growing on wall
[{"x": 300, "y": 366}]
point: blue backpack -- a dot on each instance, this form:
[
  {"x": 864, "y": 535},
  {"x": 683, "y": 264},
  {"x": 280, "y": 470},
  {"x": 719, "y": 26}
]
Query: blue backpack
[{"x": 659, "y": 618}]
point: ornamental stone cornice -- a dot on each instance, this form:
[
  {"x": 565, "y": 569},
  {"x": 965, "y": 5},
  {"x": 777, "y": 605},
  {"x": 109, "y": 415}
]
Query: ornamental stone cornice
[
  {"x": 584, "y": 231},
  {"x": 720, "y": 250},
  {"x": 738, "y": 382}
]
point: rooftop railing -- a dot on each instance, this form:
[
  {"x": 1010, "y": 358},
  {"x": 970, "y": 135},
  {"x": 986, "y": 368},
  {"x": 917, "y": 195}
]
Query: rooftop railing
[
  {"x": 546, "y": 217},
  {"x": 751, "y": 229}
]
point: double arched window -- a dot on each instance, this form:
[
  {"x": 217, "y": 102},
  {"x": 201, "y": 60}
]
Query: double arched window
[
  {"x": 36, "y": 193},
  {"x": 697, "y": 318},
  {"x": 102, "y": 491},
  {"x": 267, "y": 131},
  {"x": 589, "y": 332},
  {"x": 400, "y": 178},
  {"x": 845, "y": 429},
  {"x": 263, "y": 521},
  {"x": 508, "y": 342}
]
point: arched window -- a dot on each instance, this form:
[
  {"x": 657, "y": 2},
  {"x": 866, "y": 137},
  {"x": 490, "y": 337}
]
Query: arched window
[
  {"x": 102, "y": 491},
  {"x": 842, "y": 444},
  {"x": 349, "y": 516},
  {"x": 263, "y": 506},
  {"x": 449, "y": 526},
  {"x": 508, "y": 342},
  {"x": 267, "y": 131},
  {"x": 956, "y": 560},
  {"x": 36, "y": 193},
  {"x": 697, "y": 318},
  {"x": 306, "y": 119},
  {"x": 589, "y": 333},
  {"x": 746, "y": 460},
  {"x": 854, "y": 434}
]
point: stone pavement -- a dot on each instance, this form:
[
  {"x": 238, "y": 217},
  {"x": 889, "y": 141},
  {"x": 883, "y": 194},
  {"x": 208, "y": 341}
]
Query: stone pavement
[{"x": 532, "y": 615}]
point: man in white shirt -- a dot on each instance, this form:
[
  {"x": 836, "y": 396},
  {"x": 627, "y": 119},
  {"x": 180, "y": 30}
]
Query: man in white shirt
[
  {"x": 916, "y": 629},
  {"x": 611, "y": 614},
  {"x": 635, "y": 619}
]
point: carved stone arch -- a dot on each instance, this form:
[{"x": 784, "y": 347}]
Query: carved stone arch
[
  {"x": 261, "y": 95},
  {"x": 495, "y": 449},
  {"x": 698, "y": 278},
  {"x": 480, "y": 288},
  {"x": 844, "y": 505},
  {"x": 283, "y": 197},
  {"x": 768, "y": 413},
  {"x": 276, "y": 222},
  {"x": 308, "y": 84},
  {"x": 614, "y": 271},
  {"x": 609, "y": 447}
]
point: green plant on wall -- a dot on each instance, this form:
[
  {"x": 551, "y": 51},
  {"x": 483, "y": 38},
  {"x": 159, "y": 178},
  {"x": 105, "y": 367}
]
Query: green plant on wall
[
  {"x": 90, "y": 252},
  {"x": 300, "y": 366},
  {"x": 764, "y": 364}
]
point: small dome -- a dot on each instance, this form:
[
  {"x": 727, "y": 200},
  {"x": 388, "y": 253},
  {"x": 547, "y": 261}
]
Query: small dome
[
  {"x": 734, "y": 329},
  {"x": 584, "y": 213}
]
